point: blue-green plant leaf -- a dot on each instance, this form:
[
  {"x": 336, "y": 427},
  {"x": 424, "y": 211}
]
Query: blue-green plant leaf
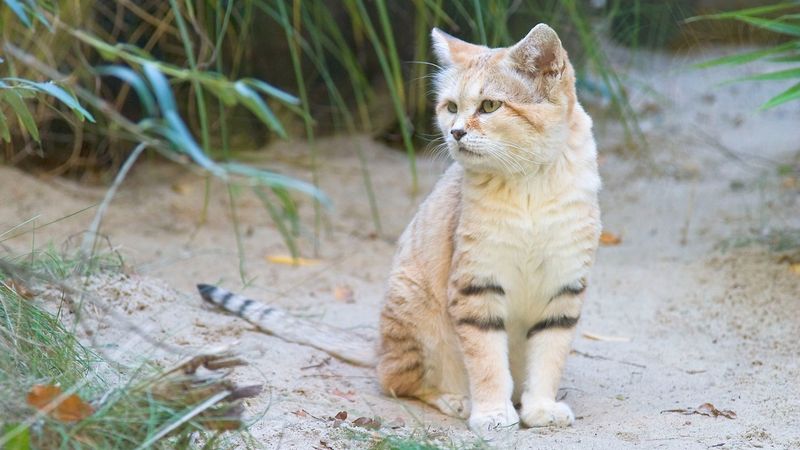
[
  {"x": 66, "y": 98},
  {"x": 181, "y": 137},
  {"x": 161, "y": 87},
  {"x": 273, "y": 179},
  {"x": 272, "y": 91},
  {"x": 254, "y": 103},
  {"x": 135, "y": 81},
  {"x": 19, "y": 10}
]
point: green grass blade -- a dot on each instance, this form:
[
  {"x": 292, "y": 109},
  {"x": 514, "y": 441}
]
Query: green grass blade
[
  {"x": 777, "y": 75},
  {"x": 21, "y": 110},
  {"x": 4, "y": 132},
  {"x": 793, "y": 93},
  {"x": 773, "y": 25},
  {"x": 742, "y": 58},
  {"x": 738, "y": 14}
]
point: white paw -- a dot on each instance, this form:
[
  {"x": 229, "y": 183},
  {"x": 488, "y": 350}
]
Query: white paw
[
  {"x": 455, "y": 405},
  {"x": 547, "y": 414},
  {"x": 505, "y": 419}
]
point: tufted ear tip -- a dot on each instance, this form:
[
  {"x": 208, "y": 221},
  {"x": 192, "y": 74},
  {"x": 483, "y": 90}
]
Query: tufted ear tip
[{"x": 539, "y": 51}]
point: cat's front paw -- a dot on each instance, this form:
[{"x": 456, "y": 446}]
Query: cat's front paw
[
  {"x": 483, "y": 422},
  {"x": 547, "y": 414}
]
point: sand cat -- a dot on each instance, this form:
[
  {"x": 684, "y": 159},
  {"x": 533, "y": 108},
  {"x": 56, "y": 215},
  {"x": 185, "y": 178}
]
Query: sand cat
[{"x": 488, "y": 280}]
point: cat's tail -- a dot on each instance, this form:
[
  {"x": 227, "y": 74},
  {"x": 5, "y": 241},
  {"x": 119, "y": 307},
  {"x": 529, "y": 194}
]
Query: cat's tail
[{"x": 341, "y": 343}]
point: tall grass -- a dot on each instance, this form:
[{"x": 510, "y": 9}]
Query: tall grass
[
  {"x": 782, "y": 18},
  {"x": 193, "y": 79},
  {"x": 138, "y": 407}
]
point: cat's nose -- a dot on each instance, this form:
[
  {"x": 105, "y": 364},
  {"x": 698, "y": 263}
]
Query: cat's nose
[{"x": 458, "y": 133}]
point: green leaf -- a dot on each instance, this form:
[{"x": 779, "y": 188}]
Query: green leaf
[
  {"x": 793, "y": 93},
  {"x": 222, "y": 90},
  {"x": 4, "y": 133},
  {"x": 272, "y": 91},
  {"x": 773, "y": 25},
  {"x": 273, "y": 179},
  {"x": 66, "y": 98},
  {"x": 256, "y": 105},
  {"x": 180, "y": 136},
  {"x": 21, "y": 440},
  {"x": 21, "y": 110},
  {"x": 777, "y": 75},
  {"x": 741, "y": 58},
  {"x": 738, "y": 14},
  {"x": 161, "y": 88},
  {"x": 135, "y": 81},
  {"x": 19, "y": 10}
]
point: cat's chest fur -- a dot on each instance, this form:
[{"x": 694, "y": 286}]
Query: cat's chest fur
[{"x": 530, "y": 240}]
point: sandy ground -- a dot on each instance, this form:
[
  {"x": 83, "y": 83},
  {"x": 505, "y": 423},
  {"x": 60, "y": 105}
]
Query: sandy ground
[{"x": 700, "y": 321}]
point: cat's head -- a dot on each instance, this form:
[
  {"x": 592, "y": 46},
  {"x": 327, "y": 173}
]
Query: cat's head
[{"x": 504, "y": 109}]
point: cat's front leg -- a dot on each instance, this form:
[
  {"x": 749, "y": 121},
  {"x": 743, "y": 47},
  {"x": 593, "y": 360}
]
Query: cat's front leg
[
  {"x": 548, "y": 344},
  {"x": 478, "y": 311}
]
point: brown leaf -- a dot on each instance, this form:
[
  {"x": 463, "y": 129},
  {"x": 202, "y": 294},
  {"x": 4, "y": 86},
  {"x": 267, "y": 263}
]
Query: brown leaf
[
  {"x": 349, "y": 395},
  {"x": 343, "y": 293},
  {"x": 341, "y": 415},
  {"x": 68, "y": 409},
  {"x": 608, "y": 238},
  {"x": 300, "y": 413},
  {"x": 706, "y": 409},
  {"x": 20, "y": 288},
  {"x": 366, "y": 422}
]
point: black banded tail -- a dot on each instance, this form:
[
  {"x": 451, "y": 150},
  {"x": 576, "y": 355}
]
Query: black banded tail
[{"x": 340, "y": 343}]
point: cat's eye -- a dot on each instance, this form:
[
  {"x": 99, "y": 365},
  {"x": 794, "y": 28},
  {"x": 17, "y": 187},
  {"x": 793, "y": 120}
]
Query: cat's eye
[
  {"x": 488, "y": 106},
  {"x": 452, "y": 107}
]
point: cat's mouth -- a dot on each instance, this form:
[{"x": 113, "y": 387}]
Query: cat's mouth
[{"x": 465, "y": 150}]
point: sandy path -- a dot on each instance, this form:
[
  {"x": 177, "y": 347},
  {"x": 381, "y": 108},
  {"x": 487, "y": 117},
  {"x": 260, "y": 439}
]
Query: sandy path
[{"x": 704, "y": 325}]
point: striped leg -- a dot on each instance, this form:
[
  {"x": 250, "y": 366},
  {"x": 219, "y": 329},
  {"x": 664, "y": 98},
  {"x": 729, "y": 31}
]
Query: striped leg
[
  {"x": 548, "y": 345},
  {"x": 478, "y": 312}
]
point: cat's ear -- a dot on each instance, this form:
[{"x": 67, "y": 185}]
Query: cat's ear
[
  {"x": 540, "y": 52},
  {"x": 452, "y": 51}
]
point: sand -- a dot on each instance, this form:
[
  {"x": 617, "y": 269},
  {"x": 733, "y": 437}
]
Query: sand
[{"x": 696, "y": 319}]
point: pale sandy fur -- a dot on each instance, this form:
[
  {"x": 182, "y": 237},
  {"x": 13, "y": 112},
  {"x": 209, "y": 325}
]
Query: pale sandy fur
[{"x": 487, "y": 282}]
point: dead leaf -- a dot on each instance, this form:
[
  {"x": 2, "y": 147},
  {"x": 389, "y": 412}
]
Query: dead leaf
[
  {"x": 341, "y": 415},
  {"x": 291, "y": 261},
  {"x": 300, "y": 413},
  {"x": 706, "y": 409},
  {"x": 69, "y": 409},
  {"x": 795, "y": 268},
  {"x": 600, "y": 337},
  {"x": 349, "y": 395},
  {"x": 608, "y": 238},
  {"x": 366, "y": 422},
  {"x": 343, "y": 293},
  {"x": 20, "y": 288}
]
